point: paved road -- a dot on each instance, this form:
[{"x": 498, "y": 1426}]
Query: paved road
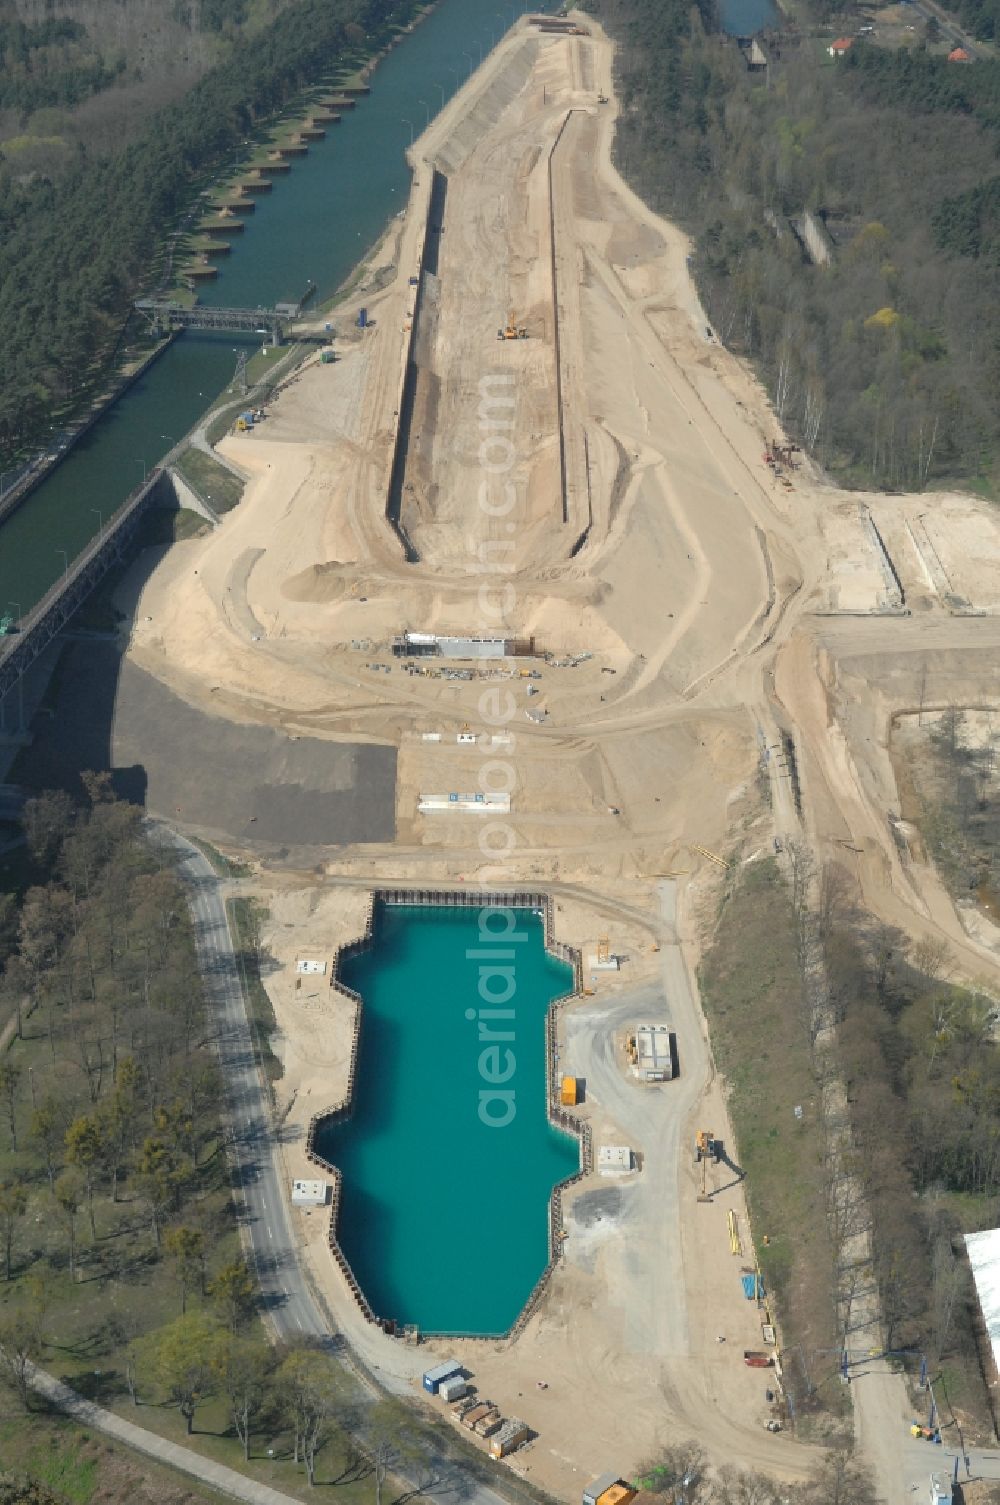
[{"x": 287, "y": 1299}]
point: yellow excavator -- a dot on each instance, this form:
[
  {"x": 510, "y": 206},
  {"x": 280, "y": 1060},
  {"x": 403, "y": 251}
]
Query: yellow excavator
[
  {"x": 704, "y": 1151},
  {"x": 512, "y": 331}
]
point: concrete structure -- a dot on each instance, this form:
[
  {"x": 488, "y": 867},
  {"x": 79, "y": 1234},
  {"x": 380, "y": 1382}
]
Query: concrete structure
[
  {"x": 310, "y": 1193},
  {"x": 49, "y": 616},
  {"x": 654, "y": 1060},
  {"x": 984, "y": 1256},
  {"x": 816, "y": 239},
  {"x": 434, "y": 645},
  {"x": 476, "y": 803},
  {"x": 614, "y": 1160}
]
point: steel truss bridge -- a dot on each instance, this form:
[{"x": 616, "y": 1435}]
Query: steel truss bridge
[{"x": 164, "y": 315}]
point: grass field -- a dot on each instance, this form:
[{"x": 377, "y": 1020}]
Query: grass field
[
  {"x": 82, "y": 1467},
  {"x": 212, "y": 482},
  {"x": 752, "y": 993}
]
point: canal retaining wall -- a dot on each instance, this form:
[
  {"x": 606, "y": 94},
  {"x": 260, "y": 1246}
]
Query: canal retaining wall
[
  {"x": 20, "y": 649},
  {"x": 557, "y": 1114},
  {"x": 47, "y": 463}
]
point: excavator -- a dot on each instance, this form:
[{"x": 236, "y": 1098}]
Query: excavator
[
  {"x": 512, "y": 331},
  {"x": 705, "y": 1149}
]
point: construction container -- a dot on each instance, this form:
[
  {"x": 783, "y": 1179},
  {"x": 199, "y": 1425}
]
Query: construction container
[
  {"x": 327, "y": 358},
  {"x": 433, "y": 1377},
  {"x": 618, "y": 1494},
  {"x": 509, "y": 1437},
  {"x": 362, "y": 318},
  {"x": 453, "y": 1389},
  {"x": 567, "y": 1094},
  {"x": 599, "y": 1488}
]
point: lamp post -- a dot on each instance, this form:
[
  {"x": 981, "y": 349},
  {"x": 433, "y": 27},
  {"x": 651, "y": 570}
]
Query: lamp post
[
  {"x": 410, "y": 124},
  {"x": 427, "y": 112},
  {"x": 100, "y": 521},
  {"x": 440, "y": 88},
  {"x": 142, "y": 462},
  {"x": 65, "y": 560}
]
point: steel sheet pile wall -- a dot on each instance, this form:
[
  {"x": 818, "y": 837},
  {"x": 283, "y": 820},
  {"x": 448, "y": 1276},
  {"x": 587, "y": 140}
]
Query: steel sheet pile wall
[{"x": 558, "y": 1117}]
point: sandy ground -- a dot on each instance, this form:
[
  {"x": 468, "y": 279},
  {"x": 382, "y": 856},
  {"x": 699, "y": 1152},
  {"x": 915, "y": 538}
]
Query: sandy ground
[{"x": 692, "y": 604}]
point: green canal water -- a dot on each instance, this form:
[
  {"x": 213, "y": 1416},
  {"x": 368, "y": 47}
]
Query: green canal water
[
  {"x": 444, "y": 1211},
  {"x": 313, "y": 227}
]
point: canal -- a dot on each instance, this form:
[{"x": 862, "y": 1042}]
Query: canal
[{"x": 313, "y": 227}]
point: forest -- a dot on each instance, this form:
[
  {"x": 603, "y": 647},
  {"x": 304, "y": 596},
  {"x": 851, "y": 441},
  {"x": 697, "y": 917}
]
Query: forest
[
  {"x": 49, "y": 63},
  {"x": 920, "y": 1068},
  {"x": 885, "y": 363},
  {"x": 121, "y": 1266},
  {"x": 77, "y": 247}
]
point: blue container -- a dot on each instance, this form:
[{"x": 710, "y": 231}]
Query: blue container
[
  {"x": 441, "y": 1372},
  {"x": 363, "y": 318}
]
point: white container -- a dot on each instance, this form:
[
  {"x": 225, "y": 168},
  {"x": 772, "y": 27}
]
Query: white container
[{"x": 453, "y": 1389}]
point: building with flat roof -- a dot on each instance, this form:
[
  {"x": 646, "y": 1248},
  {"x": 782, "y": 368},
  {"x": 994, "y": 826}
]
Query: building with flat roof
[
  {"x": 653, "y": 1057},
  {"x": 438, "y": 645}
]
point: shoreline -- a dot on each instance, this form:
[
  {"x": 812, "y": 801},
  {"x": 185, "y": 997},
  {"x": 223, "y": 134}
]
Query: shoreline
[{"x": 45, "y": 463}]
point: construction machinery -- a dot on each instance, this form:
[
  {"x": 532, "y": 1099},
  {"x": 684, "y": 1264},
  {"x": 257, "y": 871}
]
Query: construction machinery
[
  {"x": 705, "y": 1149},
  {"x": 780, "y": 454},
  {"x": 512, "y": 331}
]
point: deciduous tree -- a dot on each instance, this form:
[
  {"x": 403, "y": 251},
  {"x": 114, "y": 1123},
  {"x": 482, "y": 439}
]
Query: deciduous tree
[
  {"x": 13, "y": 1206},
  {"x": 187, "y": 1359}
]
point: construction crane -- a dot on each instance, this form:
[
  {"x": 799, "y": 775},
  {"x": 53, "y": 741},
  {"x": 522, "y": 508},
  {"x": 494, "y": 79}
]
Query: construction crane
[
  {"x": 512, "y": 331},
  {"x": 704, "y": 1150}
]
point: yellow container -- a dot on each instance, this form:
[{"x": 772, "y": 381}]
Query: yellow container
[{"x": 568, "y": 1094}]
